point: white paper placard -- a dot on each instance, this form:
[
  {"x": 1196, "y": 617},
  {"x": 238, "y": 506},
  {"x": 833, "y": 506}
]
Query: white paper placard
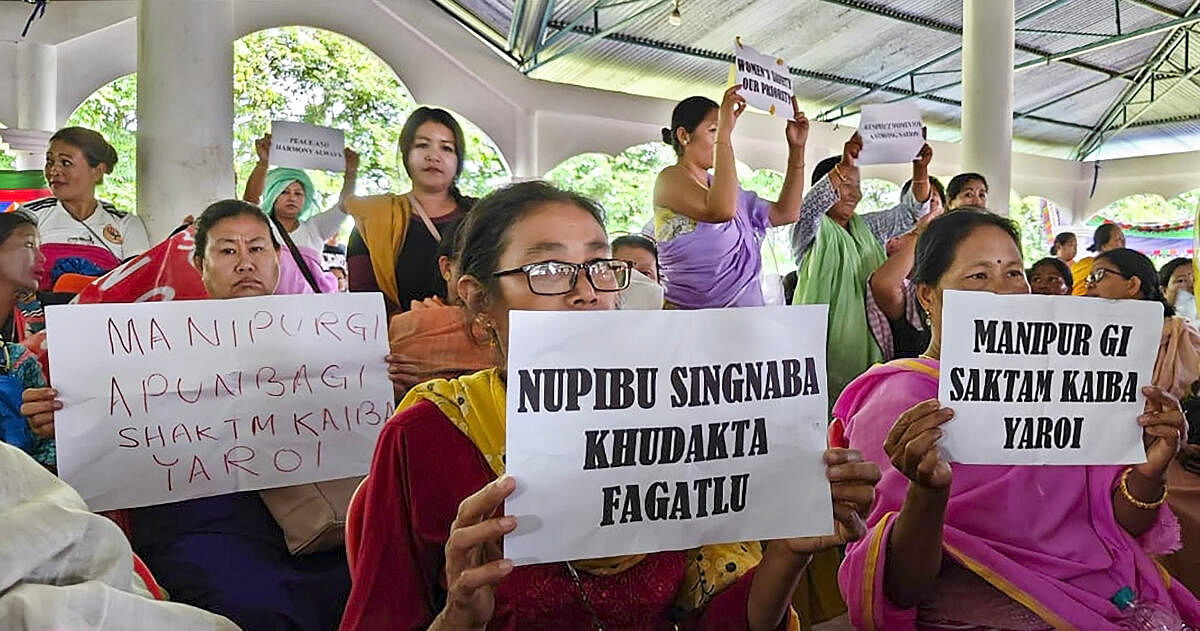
[
  {"x": 304, "y": 146},
  {"x": 1045, "y": 379},
  {"x": 167, "y": 401},
  {"x": 642, "y": 431},
  {"x": 891, "y": 133},
  {"x": 766, "y": 81}
]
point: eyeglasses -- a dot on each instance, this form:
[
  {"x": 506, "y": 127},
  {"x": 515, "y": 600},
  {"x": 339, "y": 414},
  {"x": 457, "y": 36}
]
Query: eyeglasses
[
  {"x": 555, "y": 278},
  {"x": 1098, "y": 275}
]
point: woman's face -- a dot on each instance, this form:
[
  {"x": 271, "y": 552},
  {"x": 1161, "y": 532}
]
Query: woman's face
[
  {"x": 1045, "y": 280},
  {"x": 986, "y": 260},
  {"x": 1107, "y": 281},
  {"x": 553, "y": 231},
  {"x": 973, "y": 194},
  {"x": 935, "y": 203},
  {"x": 290, "y": 202},
  {"x": 1068, "y": 250},
  {"x": 643, "y": 261},
  {"x": 68, "y": 174},
  {"x": 849, "y": 188},
  {"x": 21, "y": 261},
  {"x": 432, "y": 162},
  {"x": 702, "y": 143},
  {"x": 1115, "y": 242},
  {"x": 1182, "y": 279},
  {"x": 239, "y": 259}
]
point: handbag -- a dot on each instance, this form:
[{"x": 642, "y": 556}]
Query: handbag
[{"x": 312, "y": 516}]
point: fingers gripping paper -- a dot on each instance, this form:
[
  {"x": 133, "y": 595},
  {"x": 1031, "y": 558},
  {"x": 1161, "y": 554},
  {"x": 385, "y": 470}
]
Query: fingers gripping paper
[
  {"x": 633, "y": 432},
  {"x": 167, "y": 401},
  {"x": 1045, "y": 379},
  {"x": 766, "y": 81}
]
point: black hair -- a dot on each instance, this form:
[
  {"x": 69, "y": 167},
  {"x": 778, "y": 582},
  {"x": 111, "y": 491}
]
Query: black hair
[
  {"x": 636, "y": 241},
  {"x": 95, "y": 148},
  {"x": 936, "y": 185},
  {"x": 824, "y": 167},
  {"x": 688, "y": 114},
  {"x": 790, "y": 280},
  {"x": 10, "y": 221},
  {"x": 1164, "y": 274},
  {"x": 937, "y": 246},
  {"x": 1061, "y": 240},
  {"x": 960, "y": 181},
  {"x": 1062, "y": 268},
  {"x": 485, "y": 230},
  {"x": 1104, "y": 233},
  {"x": 225, "y": 209},
  {"x": 1133, "y": 263},
  {"x": 451, "y": 238}
]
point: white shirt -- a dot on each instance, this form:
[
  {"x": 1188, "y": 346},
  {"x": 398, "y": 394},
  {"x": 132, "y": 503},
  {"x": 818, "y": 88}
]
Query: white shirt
[
  {"x": 318, "y": 229},
  {"x": 119, "y": 232}
]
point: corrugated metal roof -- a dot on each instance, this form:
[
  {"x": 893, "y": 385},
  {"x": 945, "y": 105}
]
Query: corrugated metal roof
[{"x": 840, "y": 48}]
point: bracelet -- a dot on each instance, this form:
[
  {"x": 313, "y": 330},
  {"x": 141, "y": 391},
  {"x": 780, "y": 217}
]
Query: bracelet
[
  {"x": 838, "y": 172},
  {"x": 1136, "y": 502}
]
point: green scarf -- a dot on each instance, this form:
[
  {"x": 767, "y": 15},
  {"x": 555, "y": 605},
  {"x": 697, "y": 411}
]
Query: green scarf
[
  {"x": 280, "y": 178},
  {"x": 834, "y": 272}
]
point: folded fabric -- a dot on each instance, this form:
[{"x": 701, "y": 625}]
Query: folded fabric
[{"x": 433, "y": 337}]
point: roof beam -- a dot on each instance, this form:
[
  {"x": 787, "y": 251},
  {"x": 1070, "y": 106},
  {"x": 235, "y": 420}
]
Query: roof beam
[
  {"x": 882, "y": 11},
  {"x": 1154, "y": 61},
  {"x": 711, "y": 55},
  {"x": 1155, "y": 7},
  {"x": 840, "y": 107},
  {"x": 528, "y": 26},
  {"x": 534, "y": 63}
]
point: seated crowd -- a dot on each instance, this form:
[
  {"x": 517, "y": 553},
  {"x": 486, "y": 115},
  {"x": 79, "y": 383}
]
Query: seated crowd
[{"x": 919, "y": 543}]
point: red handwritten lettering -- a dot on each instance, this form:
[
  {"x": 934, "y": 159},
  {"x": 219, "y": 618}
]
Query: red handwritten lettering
[
  {"x": 203, "y": 432},
  {"x": 267, "y": 425},
  {"x": 157, "y": 335},
  {"x": 327, "y": 420},
  {"x": 270, "y": 380},
  {"x": 280, "y": 468},
  {"x": 323, "y": 323},
  {"x": 234, "y": 423},
  {"x": 367, "y": 409},
  {"x": 357, "y": 330},
  {"x": 236, "y": 463},
  {"x": 194, "y": 332},
  {"x": 220, "y": 381},
  {"x": 180, "y": 429},
  {"x": 283, "y": 326},
  {"x": 339, "y": 383},
  {"x": 179, "y": 391},
  {"x": 198, "y": 465},
  {"x": 301, "y": 375},
  {"x": 298, "y": 422},
  {"x": 114, "y": 391},
  {"x": 161, "y": 439},
  {"x": 126, "y": 345},
  {"x": 168, "y": 465},
  {"x": 257, "y": 324},
  {"x": 146, "y": 393},
  {"x": 132, "y": 439}
]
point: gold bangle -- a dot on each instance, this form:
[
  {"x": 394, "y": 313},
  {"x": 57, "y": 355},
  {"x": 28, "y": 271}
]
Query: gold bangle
[{"x": 1135, "y": 501}]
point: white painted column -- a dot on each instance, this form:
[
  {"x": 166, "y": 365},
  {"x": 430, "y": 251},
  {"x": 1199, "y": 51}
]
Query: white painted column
[
  {"x": 184, "y": 110},
  {"x": 987, "y": 110},
  {"x": 525, "y": 163},
  {"x": 37, "y": 96}
]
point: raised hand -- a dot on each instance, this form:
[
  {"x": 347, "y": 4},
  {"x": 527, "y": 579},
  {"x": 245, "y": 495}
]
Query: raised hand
[
  {"x": 351, "y": 160},
  {"x": 850, "y": 153},
  {"x": 797, "y": 127},
  {"x": 852, "y": 481},
  {"x": 912, "y": 445},
  {"x": 38, "y": 406},
  {"x": 262, "y": 147},
  {"x": 732, "y": 106},
  {"x": 1163, "y": 430},
  {"x": 474, "y": 562}
]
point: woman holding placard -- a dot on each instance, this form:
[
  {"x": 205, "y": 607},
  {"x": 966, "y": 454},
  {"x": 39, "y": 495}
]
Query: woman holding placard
[
  {"x": 428, "y": 554},
  {"x": 709, "y": 230},
  {"x": 1012, "y": 547},
  {"x": 288, "y": 196},
  {"x": 393, "y": 248}
]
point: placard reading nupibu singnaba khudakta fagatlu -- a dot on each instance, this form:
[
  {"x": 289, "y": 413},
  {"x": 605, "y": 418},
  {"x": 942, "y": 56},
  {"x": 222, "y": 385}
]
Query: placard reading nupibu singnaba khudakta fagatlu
[{"x": 636, "y": 431}]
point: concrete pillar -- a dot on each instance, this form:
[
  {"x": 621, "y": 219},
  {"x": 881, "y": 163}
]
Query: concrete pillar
[
  {"x": 37, "y": 97},
  {"x": 525, "y": 162},
  {"x": 987, "y": 110},
  {"x": 184, "y": 109}
]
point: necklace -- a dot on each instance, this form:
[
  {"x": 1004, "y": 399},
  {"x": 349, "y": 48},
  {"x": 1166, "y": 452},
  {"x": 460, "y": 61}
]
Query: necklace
[{"x": 587, "y": 602}]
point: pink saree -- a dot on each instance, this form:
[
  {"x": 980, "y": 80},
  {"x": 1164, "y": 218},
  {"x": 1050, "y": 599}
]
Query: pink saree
[{"x": 1044, "y": 537}]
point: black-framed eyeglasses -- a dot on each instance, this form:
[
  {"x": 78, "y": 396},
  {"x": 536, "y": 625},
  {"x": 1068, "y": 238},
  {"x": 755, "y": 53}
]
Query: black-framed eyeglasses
[
  {"x": 555, "y": 278},
  {"x": 1099, "y": 273}
]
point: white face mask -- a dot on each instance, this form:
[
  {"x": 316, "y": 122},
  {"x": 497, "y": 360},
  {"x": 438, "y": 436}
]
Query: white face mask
[
  {"x": 642, "y": 294},
  {"x": 1185, "y": 305}
]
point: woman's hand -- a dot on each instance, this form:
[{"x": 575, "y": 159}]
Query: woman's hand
[
  {"x": 913, "y": 445},
  {"x": 1163, "y": 430},
  {"x": 924, "y": 157},
  {"x": 850, "y": 152},
  {"x": 732, "y": 106},
  {"x": 852, "y": 482},
  {"x": 474, "y": 563},
  {"x": 403, "y": 373},
  {"x": 351, "y": 161},
  {"x": 262, "y": 147},
  {"x": 38, "y": 405},
  {"x": 797, "y": 127}
]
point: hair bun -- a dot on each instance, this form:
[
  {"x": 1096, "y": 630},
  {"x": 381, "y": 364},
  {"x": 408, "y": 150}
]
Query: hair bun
[{"x": 667, "y": 136}]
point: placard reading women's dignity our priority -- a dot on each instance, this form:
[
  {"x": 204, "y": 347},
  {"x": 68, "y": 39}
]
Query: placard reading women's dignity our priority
[
  {"x": 1045, "y": 379},
  {"x": 636, "y": 431},
  {"x": 766, "y": 81},
  {"x": 167, "y": 401}
]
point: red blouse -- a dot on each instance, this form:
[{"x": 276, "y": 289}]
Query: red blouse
[{"x": 423, "y": 468}]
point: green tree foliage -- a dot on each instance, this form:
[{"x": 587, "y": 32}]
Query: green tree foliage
[{"x": 305, "y": 74}]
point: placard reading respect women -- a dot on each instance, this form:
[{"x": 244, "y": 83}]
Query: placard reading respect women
[
  {"x": 642, "y": 431},
  {"x": 167, "y": 401},
  {"x": 1046, "y": 379}
]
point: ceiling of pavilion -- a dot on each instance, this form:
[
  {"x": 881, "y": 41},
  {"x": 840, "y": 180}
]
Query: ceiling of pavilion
[{"x": 1095, "y": 78}]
